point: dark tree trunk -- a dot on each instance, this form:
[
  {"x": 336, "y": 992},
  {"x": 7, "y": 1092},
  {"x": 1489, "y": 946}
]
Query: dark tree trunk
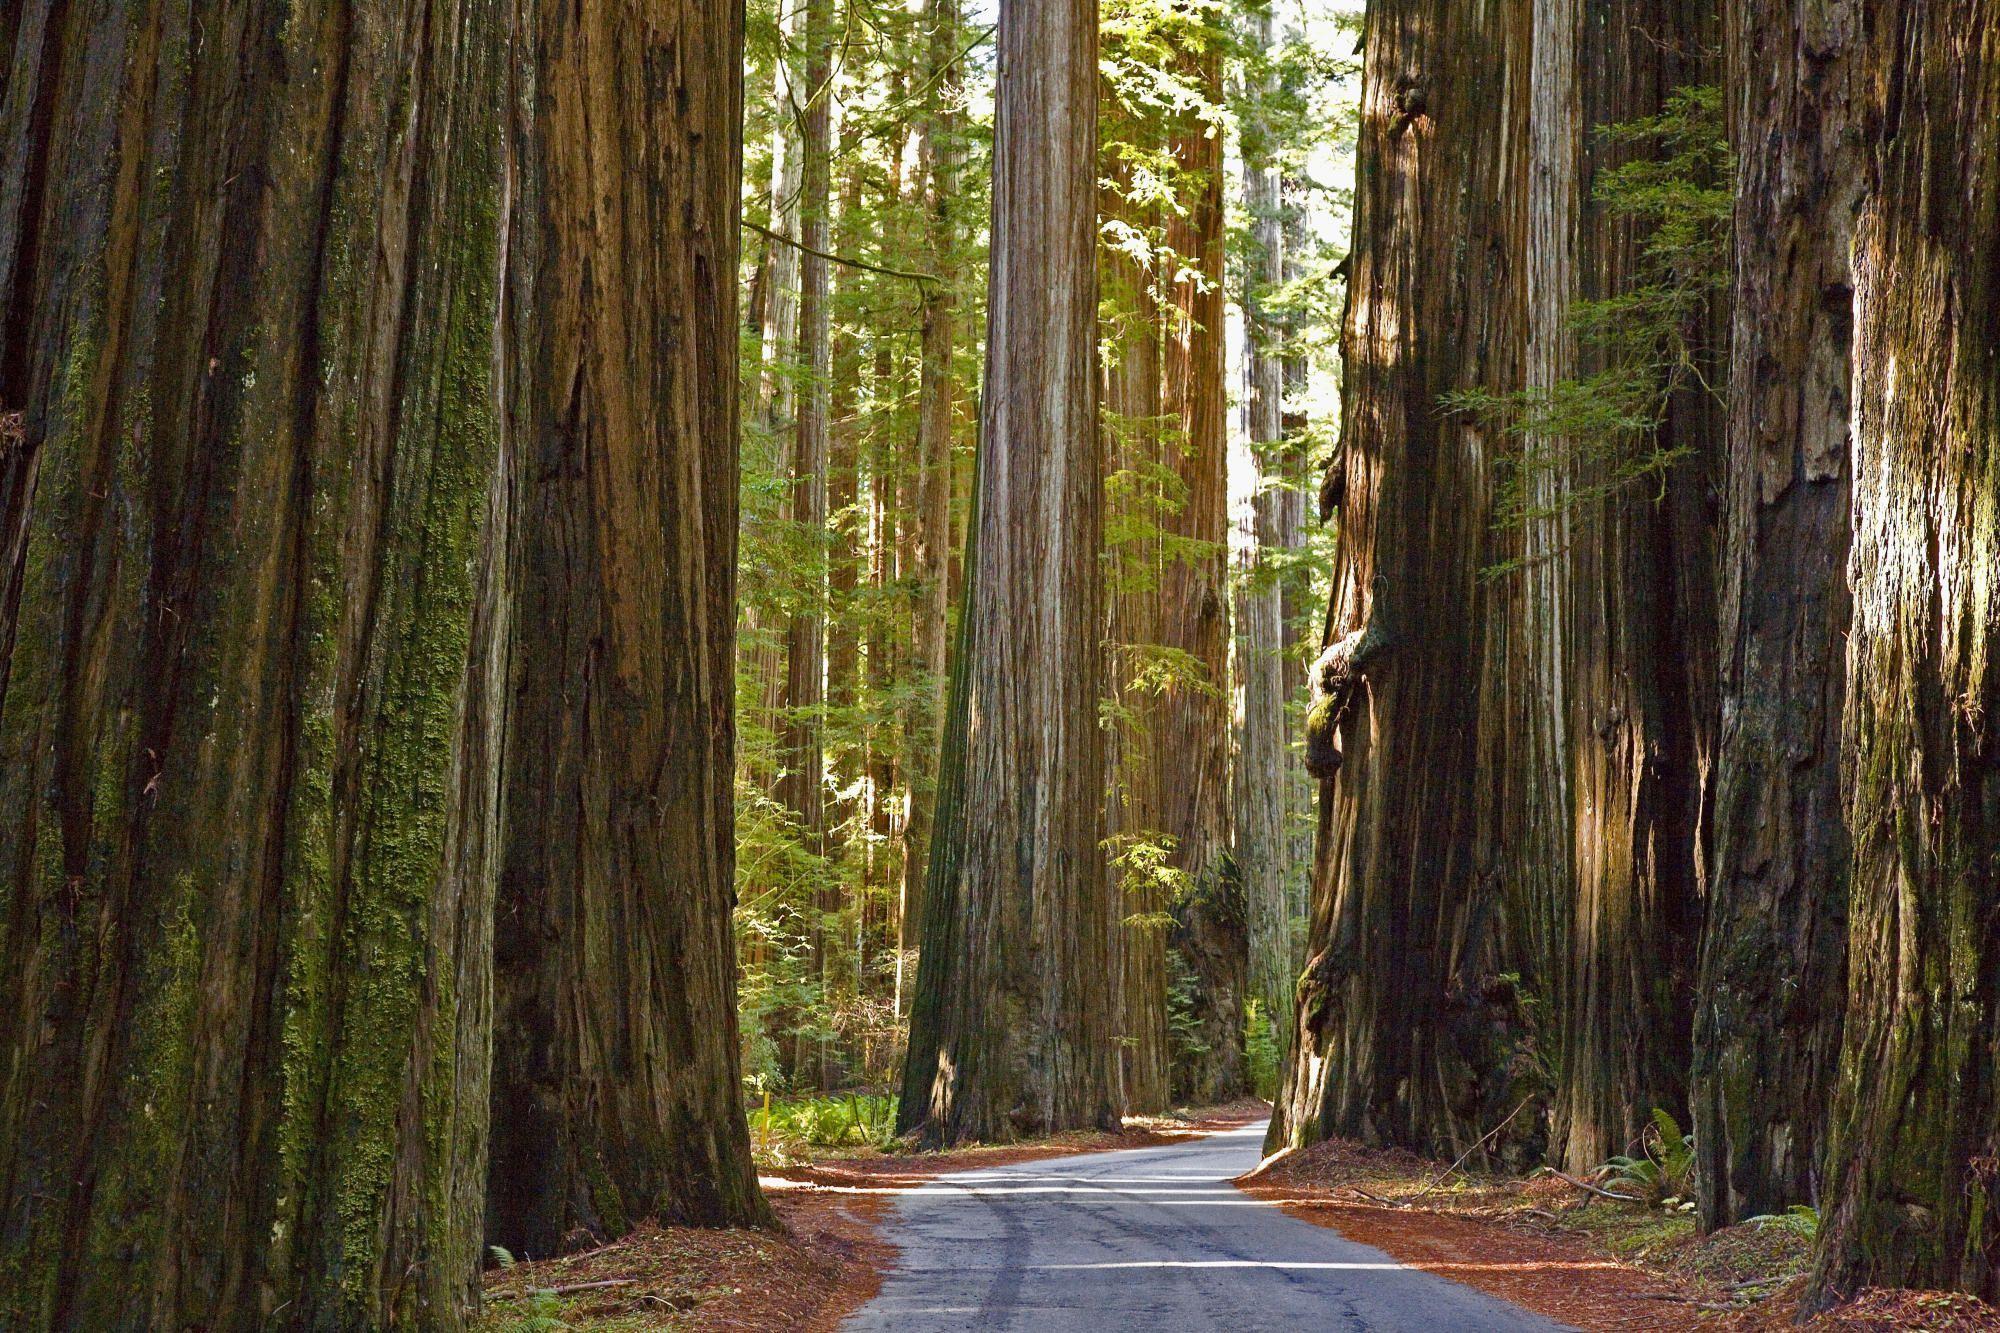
[
  {"x": 1769, "y": 998},
  {"x": 1915, "y": 1136},
  {"x": 615, "y": 1090},
  {"x": 1016, "y": 1034},
  {"x": 1525, "y": 757},
  {"x": 249, "y": 647}
]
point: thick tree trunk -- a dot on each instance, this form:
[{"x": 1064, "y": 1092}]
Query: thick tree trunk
[
  {"x": 615, "y": 1087},
  {"x": 1632, "y": 575},
  {"x": 1263, "y": 778},
  {"x": 1021, "y": 1021},
  {"x": 1769, "y": 998},
  {"x": 1191, "y": 742},
  {"x": 1525, "y": 758},
  {"x": 1912, "y": 1184},
  {"x": 249, "y": 264},
  {"x": 1403, "y": 928}
]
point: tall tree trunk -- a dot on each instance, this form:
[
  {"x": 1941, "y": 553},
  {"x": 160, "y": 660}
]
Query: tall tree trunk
[
  {"x": 1021, "y": 1017},
  {"x": 940, "y": 154},
  {"x": 1912, "y": 1184},
  {"x": 775, "y": 391},
  {"x": 1192, "y": 744},
  {"x": 1526, "y": 759},
  {"x": 615, "y": 1083},
  {"x": 801, "y": 730},
  {"x": 248, "y": 645},
  {"x": 1769, "y": 998},
  {"x": 1628, "y": 585},
  {"x": 1132, "y": 412},
  {"x": 1263, "y": 777},
  {"x": 1403, "y": 927}
]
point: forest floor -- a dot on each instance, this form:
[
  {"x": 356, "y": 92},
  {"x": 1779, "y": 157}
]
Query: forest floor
[
  {"x": 825, "y": 1260},
  {"x": 1582, "y": 1260}
]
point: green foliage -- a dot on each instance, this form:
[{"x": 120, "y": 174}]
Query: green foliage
[
  {"x": 1582, "y": 439},
  {"x": 1260, "y": 1049},
  {"x": 539, "y": 1312},
  {"x": 784, "y": 1128},
  {"x": 1663, "y": 1176},
  {"x": 1801, "y": 1218}
]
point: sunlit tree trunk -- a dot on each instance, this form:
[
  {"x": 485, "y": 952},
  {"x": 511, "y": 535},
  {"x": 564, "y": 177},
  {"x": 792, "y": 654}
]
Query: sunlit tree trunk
[
  {"x": 250, "y": 636},
  {"x": 802, "y": 703},
  {"x": 1132, "y": 411},
  {"x": 940, "y": 154},
  {"x": 1263, "y": 779},
  {"x": 1769, "y": 997},
  {"x": 777, "y": 342},
  {"x": 1013, "y": 1031},
  {"x": 1191, "y": 742},
  {"x": 1912, "y": 1184},
  {"x": 615, "y": 1087}
]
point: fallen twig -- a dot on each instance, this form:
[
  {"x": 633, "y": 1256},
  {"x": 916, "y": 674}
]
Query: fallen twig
[
  {"x": 1373, "y": 1198},
  {"x": 1586, "y": 1185},
  {"x": 563, "y": 1290},
  {"x": 1474, "y": 1148},
  {"x": 1762, "y": 1282}
]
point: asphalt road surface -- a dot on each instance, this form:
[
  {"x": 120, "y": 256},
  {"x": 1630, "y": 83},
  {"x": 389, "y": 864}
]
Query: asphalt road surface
[{"x": 1152, "y": 1239}]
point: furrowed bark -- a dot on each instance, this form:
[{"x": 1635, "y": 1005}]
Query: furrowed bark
[
  {"x": 1912, "y": 1179},
  {"x": 1403, "y": 927},
  {"x": 615, "y": 1090},
  {"x": 253, "y": 619},
  {"x": 1526, "y": 759},
  {"x": 1770, "y": 992},
  {"x": 1024, "y": 1033}
]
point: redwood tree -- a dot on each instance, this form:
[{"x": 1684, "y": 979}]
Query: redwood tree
[
  {"x": 1915, "y": 1139},
  {"x": 1012, "y": 1032},
  {"x": 615, "y": 1088},
  {"x": 1769, "y": 998},
  {"x": 248, "y": 660}
]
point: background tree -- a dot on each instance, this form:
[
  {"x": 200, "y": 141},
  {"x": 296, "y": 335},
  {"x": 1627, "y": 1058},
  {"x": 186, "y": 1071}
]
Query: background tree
[
  {"x": 616, "y": 1091},
  {"x": 249, "y": 656},
  {"x": 1021, "y": 1014}
]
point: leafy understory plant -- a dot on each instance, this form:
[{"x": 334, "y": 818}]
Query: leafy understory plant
[
  {"x": 1802, "y": 1218},
  {"x": 1663, "y": 1175}
]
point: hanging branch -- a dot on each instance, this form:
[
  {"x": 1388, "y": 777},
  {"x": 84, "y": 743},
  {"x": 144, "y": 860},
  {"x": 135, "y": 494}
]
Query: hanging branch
[{"x": 841, "y": 259}]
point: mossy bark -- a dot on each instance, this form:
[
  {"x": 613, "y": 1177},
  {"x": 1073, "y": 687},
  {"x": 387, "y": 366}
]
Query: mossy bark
[
  {"x": 1913, "y": 1158},
  {"x": 615, "y": 1088},
  {"x": 1770, "y": 993},
  {"x": 1022, "y": 1025},
  {"x": 248, "y": 725}
]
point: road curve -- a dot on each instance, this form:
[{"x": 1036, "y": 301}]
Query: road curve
[{"x": 1151, "y": 1239}]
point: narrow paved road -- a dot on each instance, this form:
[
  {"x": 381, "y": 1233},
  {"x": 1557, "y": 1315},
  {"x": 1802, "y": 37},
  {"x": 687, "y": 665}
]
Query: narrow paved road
[{"x": 1153, "y": 1239}]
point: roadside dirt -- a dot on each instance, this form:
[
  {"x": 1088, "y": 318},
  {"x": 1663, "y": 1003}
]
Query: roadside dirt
[{"x": 1582, "y": 1260}]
